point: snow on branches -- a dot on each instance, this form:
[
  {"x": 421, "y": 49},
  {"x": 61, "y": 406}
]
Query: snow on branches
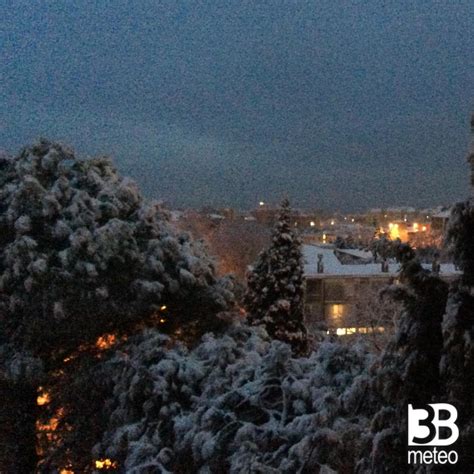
[{"x": 275, "y": 286}]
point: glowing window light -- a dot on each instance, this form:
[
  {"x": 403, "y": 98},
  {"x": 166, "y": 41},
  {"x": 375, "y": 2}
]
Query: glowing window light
[
  {"x": 162, "y": 308},
  {"x": 105, "y": 464},
  {"x": 394, "y": 231},
  {"x": 261, "y": 203},
  {"x": 312, "y": 223},
  {"x": 423, "y": 229},
  {"x": 106, "y": 341},
  {"x": 43, "y": 399},
  {"x": 336, "y": 313},
  {"x": 343, "y": 331}
]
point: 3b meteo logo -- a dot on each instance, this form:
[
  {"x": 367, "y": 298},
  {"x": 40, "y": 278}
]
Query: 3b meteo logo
[{"x": 434, "y": 425}]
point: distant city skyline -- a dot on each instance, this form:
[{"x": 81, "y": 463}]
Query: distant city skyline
[{"x": 341, "y": 106}]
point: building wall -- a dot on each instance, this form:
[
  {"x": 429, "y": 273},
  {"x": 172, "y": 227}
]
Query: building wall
[{"x": 328, "y": 299}]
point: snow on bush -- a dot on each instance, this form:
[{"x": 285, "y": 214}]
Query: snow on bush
[
  {"x": 236, "y": 403},
  {"x": 82, "y": 253}
]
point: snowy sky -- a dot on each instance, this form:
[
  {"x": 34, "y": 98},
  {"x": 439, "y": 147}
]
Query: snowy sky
[{"x": 343, "y": 104}]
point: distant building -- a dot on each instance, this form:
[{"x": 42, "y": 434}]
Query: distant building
[
  {"x": 267, "y": 215},
  {"x": 439, "y": 221},
  {"x": 331, "y": 286}
]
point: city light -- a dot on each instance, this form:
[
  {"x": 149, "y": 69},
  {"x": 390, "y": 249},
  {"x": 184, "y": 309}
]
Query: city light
[{"x": 105, "y": 464}]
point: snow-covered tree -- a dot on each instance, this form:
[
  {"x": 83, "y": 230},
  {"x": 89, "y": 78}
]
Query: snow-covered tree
[
  {"x": 275, "y": 285},
  {"x": 457, "y": 363},
  {"x": 384, "y": 248},
  {"x": 374, "y": 308},
  {"x": 236, "y": 403},
  {"x": 82, "y": 254},
  {"x": 408, "y": 370}
]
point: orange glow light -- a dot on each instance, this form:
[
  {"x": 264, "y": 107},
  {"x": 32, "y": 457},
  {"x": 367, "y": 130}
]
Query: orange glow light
[
  {"x": 105, "y": 464},
  {"x": 43, "y": 399},
  {"x": 106, "y": 341}
]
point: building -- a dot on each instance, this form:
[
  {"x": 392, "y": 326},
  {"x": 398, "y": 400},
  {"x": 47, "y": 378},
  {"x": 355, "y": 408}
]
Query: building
[
  {"x": 439, "y": 221},
  {"x": 268, "y": 216},
  {"x": 332, "y": 286}
]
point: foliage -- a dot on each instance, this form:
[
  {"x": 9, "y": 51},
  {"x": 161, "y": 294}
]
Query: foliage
[
  {"x": 457, "y": 362},
  {"x": 459, "y": 237},
  {"x": 408, "y": 371},
  {"x": 239, "y": 403},
  {"x": 82, "y": 254},
  {"x": 274, "y": 297}
]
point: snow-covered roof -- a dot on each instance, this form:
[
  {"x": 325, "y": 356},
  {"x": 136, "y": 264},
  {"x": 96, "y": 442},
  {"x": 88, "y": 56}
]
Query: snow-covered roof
[
  {"x": 333, "y": 267},
  {"x": 443, "y": 214},
  {"x": 363, "y": 254}
]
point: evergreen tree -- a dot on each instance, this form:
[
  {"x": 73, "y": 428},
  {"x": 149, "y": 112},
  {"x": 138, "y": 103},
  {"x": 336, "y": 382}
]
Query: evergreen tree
[
  {"x": 275, "y": 286},
  {"x": 457, "y": 363},
  {"x": 236, "y": 403},
  {"x": 408, "y": 371},
  {"x": 82, "y": 254}
]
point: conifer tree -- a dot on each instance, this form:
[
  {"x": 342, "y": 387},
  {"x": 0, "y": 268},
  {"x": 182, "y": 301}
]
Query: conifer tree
[
  {"x": 274, "y": 295},
  {"x": 82, "y": 254},
  {"x": 457, "y": 362},
  {"x": 408, "y": 371}
]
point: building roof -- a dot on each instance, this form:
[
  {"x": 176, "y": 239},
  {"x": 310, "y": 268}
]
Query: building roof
[
  {"x": 443, "y": 214},
  {"x": 333, "y": 267},
  {"x": 216, "y": 216},
  {"x": 362, "y": 254}
]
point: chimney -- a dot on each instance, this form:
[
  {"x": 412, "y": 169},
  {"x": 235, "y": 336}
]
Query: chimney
[
  {"x": 385, "y": 266},
  {"x": 320, "y": 263},
  {"x": 435, "y": 267}
]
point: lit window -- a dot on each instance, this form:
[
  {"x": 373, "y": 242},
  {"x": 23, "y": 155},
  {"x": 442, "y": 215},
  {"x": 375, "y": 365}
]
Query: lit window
[{"x": 336, "y": 313}]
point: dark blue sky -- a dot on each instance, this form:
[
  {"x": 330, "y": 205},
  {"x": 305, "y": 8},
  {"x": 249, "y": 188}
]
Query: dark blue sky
[{"x": 341, "y": 104}]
